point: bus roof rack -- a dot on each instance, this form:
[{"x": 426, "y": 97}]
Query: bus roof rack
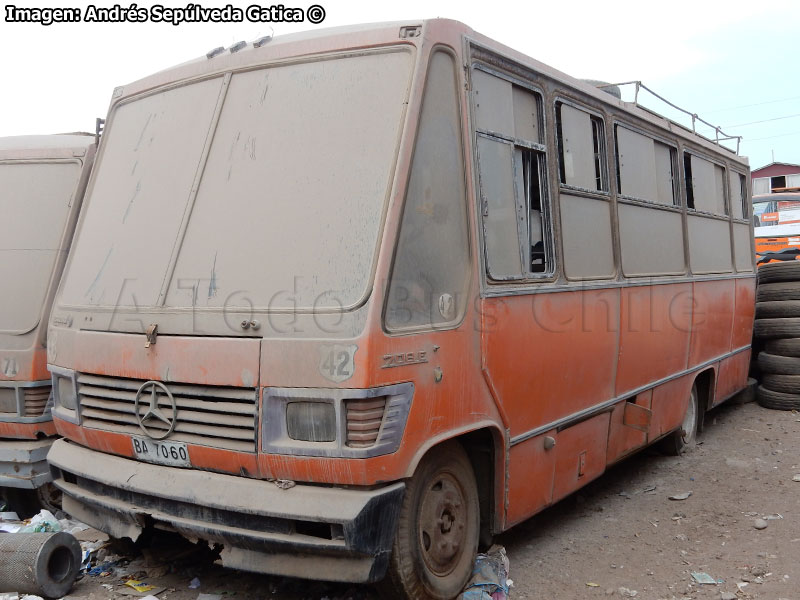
[{"x": 719, "y": 135}]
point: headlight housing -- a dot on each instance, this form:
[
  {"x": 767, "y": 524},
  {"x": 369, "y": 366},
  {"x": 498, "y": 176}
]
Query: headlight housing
[
  {"x": 340, "y": 423},
  {"x": 65, "y": 394}
]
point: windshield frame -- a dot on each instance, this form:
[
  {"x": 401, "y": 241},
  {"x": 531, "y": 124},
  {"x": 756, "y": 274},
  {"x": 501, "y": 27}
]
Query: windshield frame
[
  {"x": 61, "y": 241},
  {"x": 388, "y": 193}
]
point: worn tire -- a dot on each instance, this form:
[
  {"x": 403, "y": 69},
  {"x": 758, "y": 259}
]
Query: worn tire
[
  {"x": 786, "y": 384},
  {"x": 431, "y": 560},
  {"x": 49, "y": 497},
  {"x": 777, "y": 328},
  {"x": 677, "y": 442},
  {"x": 776, "y": 309},
  {"x": 16, "y": 500},
  {"x": 777, "y": 400},
  {"x": 23, "y": 502},
  {"x": 770, "y": 292},
  {"x": 27, "y": 503},
  {"x": 783, "y": 347},
  {"x": 780, "y": 365},
  {"x": 782, "y": 271}
]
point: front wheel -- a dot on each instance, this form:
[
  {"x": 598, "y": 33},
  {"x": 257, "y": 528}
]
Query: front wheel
[
  {"x": 26, "y": 503},
  {"x": 437, "y": 536},
  {"x": 679, "y": 440}
]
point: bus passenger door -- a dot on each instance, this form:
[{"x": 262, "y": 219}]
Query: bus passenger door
[{"x": 550, "y": 360}]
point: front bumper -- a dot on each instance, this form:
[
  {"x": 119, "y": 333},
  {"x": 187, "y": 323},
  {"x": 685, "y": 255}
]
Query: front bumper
[
  {"x": 23, "y": 463},
  {"x": 306, "y": 531}
]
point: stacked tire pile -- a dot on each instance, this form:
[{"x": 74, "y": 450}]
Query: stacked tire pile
[{"x": 777, "y": 335}]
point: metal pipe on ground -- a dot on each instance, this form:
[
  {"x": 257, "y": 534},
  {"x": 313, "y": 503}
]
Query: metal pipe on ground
[{"x": 45, "y": 564}]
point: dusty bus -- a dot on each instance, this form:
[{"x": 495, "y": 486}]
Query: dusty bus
[
  {"x": 42, "y": 179},
  {"x": 349, "y": 302}
]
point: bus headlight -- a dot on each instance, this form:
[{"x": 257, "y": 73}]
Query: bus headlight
[
  {"x": 311, "y": 421},
  {"x": 65, "y": 394}
]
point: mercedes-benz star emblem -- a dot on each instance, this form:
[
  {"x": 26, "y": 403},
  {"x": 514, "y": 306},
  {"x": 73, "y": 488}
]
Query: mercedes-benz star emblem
[{"x": 154, "y": 412}]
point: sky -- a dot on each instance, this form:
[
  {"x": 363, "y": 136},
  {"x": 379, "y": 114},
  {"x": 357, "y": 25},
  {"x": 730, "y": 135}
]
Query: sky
[{"x": 733, "y": 63}]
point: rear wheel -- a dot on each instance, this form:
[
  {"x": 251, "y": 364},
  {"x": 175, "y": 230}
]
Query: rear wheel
[
  {"x": 679, "y": 440},
  {"x": 437, "y": 537}
]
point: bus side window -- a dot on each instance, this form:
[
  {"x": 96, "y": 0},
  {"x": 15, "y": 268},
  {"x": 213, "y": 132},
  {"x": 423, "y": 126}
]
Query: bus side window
[
  {"x": 581, "y": 149},
  {"x": 512, "y": 175},
  {"x": 432, "y": 263},
  {"x": 743, "y": 196},
  {"x": 738, "y": 187},
  {"x": 645, "y": 167},
  {"x": 532, "y": 191},
  {"x": 687, "y": 173},
  {"x": 705, "y": 185}
]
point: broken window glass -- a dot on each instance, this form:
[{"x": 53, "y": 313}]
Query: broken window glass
[{"x": 512, "y": 176}]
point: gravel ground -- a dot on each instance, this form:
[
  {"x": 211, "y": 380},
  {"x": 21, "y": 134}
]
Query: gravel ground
[{"x": 620, "y": 537}]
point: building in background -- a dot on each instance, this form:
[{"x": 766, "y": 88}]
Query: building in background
[{"x": 774, "y": 177}]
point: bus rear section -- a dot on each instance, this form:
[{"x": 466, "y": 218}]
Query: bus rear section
[
  {"x": 370, "y": 325},
  {"x": 42, "y": 180},
  {"x": 777, "y": 225}
]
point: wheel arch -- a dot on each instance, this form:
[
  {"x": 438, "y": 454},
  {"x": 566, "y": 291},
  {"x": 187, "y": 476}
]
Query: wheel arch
[
  {"x": 705, "y": 382},
  {"x": 485, "y": 446}
]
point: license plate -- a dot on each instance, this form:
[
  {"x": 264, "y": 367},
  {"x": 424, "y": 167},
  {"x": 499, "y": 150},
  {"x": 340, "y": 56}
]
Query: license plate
[{"x": 173, "y": 454}]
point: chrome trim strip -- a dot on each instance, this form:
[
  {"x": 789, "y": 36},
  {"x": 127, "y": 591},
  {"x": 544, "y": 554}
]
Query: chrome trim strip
[
  {"x": 524, "y": 288},
  {"x": 587, "y": 413}
]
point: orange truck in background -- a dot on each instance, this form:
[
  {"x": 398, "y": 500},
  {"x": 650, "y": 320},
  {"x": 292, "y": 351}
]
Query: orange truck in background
[
  {"x": 776, "y": 217},
  {"x": 347, "y": 303},
  {"x": 42, "y": 180}
]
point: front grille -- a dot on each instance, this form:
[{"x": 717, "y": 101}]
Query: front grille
[
  {"x": 216, "y": 416},
  {"x": 36, "y": 399},
  {"x": 364, "y": 418}
]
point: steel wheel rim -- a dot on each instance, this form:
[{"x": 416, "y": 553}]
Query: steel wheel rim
[
  {"x": 689, "y": 425},
  {"x": 49, "y": 497},
  {"x": 442, "y": 525}
]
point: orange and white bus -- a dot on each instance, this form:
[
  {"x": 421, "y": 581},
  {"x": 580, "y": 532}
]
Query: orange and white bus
[
  {"x": 777, "y": 225},
  {"x": 42, "y": 180},
  {"x": 347, "y": 303}
]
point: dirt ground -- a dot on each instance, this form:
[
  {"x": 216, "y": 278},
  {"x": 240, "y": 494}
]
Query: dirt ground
[{"x": 619, "y": 537}]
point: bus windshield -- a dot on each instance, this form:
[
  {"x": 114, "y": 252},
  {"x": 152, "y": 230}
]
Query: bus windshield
[
  {"x": 264, "y": 189},
  {"x": 36, "y": 197}
]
